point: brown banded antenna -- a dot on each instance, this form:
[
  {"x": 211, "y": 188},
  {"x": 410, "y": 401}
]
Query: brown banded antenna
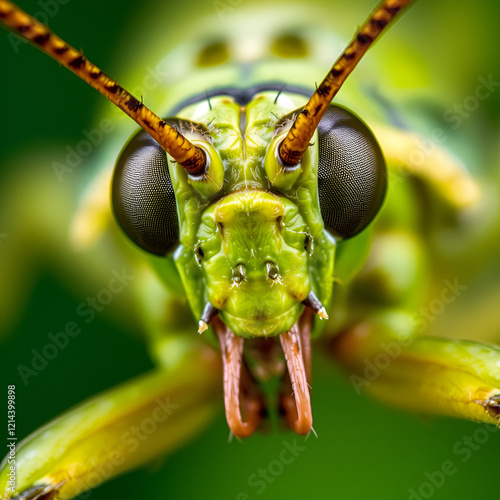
[
  {"x": 174, "y": 143},
  {"x": 297, "y": 140}
]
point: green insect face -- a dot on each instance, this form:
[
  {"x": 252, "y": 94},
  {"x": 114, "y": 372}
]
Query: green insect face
[
  {"x": 249, "y": 232},
  {"x": 246, "y": 241},
  {"x": 253, "y": 242}
]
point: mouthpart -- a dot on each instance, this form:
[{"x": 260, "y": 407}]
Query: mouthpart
[{"x": 244, "y": 401}]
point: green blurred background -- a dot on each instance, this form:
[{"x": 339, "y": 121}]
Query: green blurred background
[{"x": 364, "y": 450}]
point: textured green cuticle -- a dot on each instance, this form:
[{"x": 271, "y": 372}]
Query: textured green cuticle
[{"x": 253, "y": 242}]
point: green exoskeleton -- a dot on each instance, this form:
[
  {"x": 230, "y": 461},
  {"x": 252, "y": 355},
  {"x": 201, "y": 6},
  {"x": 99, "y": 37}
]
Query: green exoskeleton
[{"x": 266, "y": 219}]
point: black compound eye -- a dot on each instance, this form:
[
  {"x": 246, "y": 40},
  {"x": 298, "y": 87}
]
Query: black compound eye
[
  {"x": 352, "y": 177},
  {"x": 143, "y": 197}
]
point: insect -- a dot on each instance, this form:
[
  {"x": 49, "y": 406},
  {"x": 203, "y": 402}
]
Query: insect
[{"x": 174, "y": 413}]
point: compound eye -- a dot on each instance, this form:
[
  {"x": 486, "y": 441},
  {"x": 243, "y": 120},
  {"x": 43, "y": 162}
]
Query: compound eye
[
  {"x": 352, "y": 176},
  {"x": 143, "y": 197}
]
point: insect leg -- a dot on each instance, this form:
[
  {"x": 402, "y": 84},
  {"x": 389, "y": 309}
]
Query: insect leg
[
  {"x": 118, "y": 430},
  {"x": 424, "y": 374}
]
